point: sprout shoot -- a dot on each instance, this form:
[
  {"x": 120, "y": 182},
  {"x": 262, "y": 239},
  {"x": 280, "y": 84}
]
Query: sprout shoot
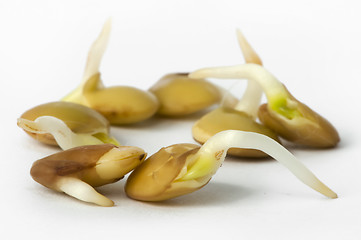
[
  {"x": 251, "y": 99},
  {"x": 119, "y": 104},
  {"x": 95, "y": 56}
]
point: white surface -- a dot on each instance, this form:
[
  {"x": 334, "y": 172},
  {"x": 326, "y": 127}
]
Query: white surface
[{"x": 311, "y": 46}]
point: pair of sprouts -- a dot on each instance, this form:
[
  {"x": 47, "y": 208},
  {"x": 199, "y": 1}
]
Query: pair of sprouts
[
  {"x": 282, "y": 115},
  {"x": 173, "y": 171},
  {"x": 90, "y": 157}
]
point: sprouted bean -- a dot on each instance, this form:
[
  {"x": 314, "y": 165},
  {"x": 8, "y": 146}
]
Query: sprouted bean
[
  {"x": 66, "y": 124},
  {"x": 184, "y": 168},
  {"x": 283, "y": 113},
  {"x": 77, "y": 171},
  {"x": 119, "y": 104}
]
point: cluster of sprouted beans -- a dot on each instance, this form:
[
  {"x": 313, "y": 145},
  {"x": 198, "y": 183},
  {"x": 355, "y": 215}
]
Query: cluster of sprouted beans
[{"x": 80, "y": 125}]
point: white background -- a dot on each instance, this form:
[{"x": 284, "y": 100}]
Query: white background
[{"x": 311, "y": 46}]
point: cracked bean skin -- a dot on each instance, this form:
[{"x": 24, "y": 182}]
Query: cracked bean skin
[{"x": 157, "y": 178}]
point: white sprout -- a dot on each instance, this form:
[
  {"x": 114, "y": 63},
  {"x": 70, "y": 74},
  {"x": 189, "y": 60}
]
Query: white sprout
[
  {"x": 272, "y": 87},
  {"x": 251, "y": 98},
  {"x": 63, "y": 135},
  {"x": 94, "y": 59},
  {"x": 212, "y": 154},
  {"x": 82, "y": 191}
]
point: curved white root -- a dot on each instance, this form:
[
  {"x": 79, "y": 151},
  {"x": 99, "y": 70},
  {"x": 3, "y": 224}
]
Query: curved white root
[
  {"x": 82, "y": 191},
  {"x": 238, "y": 139}
]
